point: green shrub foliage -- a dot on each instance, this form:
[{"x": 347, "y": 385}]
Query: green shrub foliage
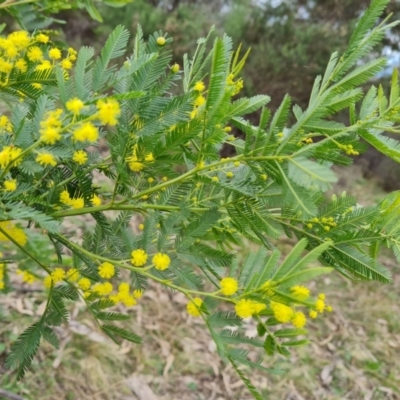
[{"x": 134, "y": 148}]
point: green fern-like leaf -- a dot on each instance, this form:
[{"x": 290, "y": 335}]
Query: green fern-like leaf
[
  {"x": 115, "y": 47},
  {"x": 24, "y": 349},
  {"x": 113, "y": 331}
]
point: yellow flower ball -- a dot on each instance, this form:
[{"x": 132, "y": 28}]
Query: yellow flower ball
[
  {"x": 229, "y": 286},
  {"x": 50, "y": 135},
  {"x": 161, "y": 261},
  {"x": 21, "y": 65},
  {"x": 74, "y": 105},
  {"x": 124, "y": 287},
  {"x": 48, "y": 282},
  {"x": 199, "y": 101},
  {"x": 319, "y": 305},
  {"x": 149, "y": 157},
  {"x": 244, "y": 308},
  {"x": 199, "y": 86},
  {"x": 10, "y": 185},
  {"x": 46, "y": 159},
  {"x": 108, "y": 111},
  {"x": 5, "y": 124},
  {"x": 35, "y": 54},
  {"x": 106, "y": 270},
  {"x": 64, "y": 197},
  {"x": 299, "y": 320},
  {"x": 301, "y": 292},
  {"x": 194, "y": 306},
  {"x": 139, "y": 258},
  {"x": 95, "y": 200},
  {"x": 54, "y": 53},
  {"x": 58, "y": 275},
  {"x": 128, "y": 301},
  {"x": 161, "y": 41},
  {"x": 77, "y": 203},
  {"x": 42, "y": 38},
  {"x": 73, "y": 275},
  {"x": 282, "y": 312},
  {"x": 66, "y": 63},
  {"x": 175, "y": 68},
  {"x": 103, "y": 288},
  {"x": 136, "y": 166},
  {"x": 80, "y": 157},
  {"x": 86, "y": 132}
]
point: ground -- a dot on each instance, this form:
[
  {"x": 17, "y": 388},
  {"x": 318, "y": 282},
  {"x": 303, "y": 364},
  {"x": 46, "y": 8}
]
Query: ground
[{"x": 353, "y": 353}]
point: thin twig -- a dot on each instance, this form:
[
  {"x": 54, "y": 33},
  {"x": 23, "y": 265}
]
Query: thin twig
[{"x": 9, "y": 395}]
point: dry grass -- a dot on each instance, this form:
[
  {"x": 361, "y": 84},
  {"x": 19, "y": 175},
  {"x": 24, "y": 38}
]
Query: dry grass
[{"x": 353, "y": 355}]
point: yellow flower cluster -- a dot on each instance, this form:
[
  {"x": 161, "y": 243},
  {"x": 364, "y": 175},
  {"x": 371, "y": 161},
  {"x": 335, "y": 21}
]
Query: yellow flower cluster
[
  {"x": 200, "y": 100},
  {"x": 229, "y": 286},
  {"x": 46, "y": 159},
  {"x": 26, "y": 276},
  {"x": 50, "y": 131},
  {"x": 234, "y": 87},
  {"x": 95, "y": 200},
  {"x": 175, "y": 68},
  {"x": 16, "y": 233},
  {"x": 301, "y": 292},
  {"x": 133, "y": 161},
  {"x": 80, "y": 157},
  {"x": 10, "y": 156},
  {"x": 307, "y": 140},
  {"x": 139, "y": 258},
  {"x": 103, "y": 288},
  {"x": 284, "y": 314},
  {"x": 86, "y": 132},
  {"x": 74, "y": 105},
  {"x": 5, "y": 125},
  {"x": 320, "y": 306},
  {"x": 108, "y": 111},
  {"x": 57, "y": 275},
  {"x": 199, "y": 86},
  {"x": 84, "y": 283},
  {"x": 194, "y": 306},
  {"x": 327, "y": 223},
  {"x": 79, "y": 202},
  {"x": 20, "y": 52},
  {"x": 72, "y": 275},
  {"x": 161, "y": 261},
  {"x": 245, "y": 308},
  {"x": 106, "y": 270},
  {"x": 124, "y": 296},
  {"x": 10, "y": 185},
  {"x": 349, "y": 150},
  {"x": 161, "y": 41}
]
